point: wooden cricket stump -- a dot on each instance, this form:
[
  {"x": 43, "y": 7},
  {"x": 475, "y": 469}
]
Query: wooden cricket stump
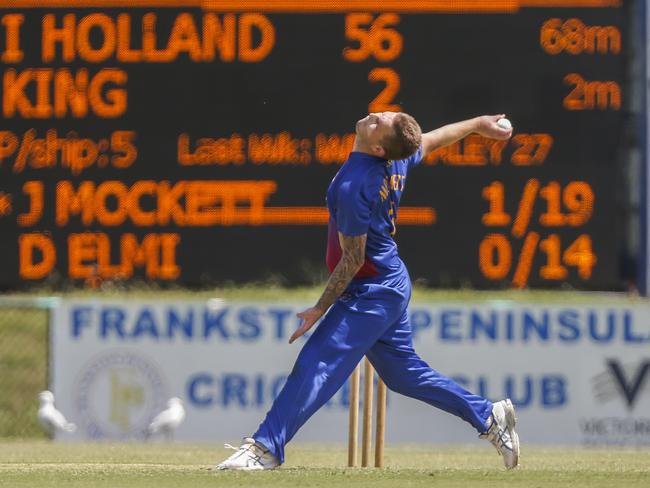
[
  {"x": 353, "y": 427},
  {"x": 380, "y": 423}
]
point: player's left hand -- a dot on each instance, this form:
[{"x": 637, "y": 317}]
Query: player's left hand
[
  {"x": 309, "y": 318},
  {"x": 488, "y": 127}
]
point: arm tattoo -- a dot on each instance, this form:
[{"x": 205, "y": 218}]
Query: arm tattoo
[{"x": 354, "y": 254}]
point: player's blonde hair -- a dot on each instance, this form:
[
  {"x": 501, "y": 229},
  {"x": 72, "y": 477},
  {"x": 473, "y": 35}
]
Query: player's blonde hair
[{"x": 405, "y": 140}]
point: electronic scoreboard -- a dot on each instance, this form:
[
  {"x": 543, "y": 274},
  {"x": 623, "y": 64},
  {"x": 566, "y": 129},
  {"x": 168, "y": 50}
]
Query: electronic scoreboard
[{"x": 193, "y": 141}]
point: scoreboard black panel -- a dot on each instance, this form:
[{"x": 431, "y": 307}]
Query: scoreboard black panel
[{"x": 193, "y": 141}]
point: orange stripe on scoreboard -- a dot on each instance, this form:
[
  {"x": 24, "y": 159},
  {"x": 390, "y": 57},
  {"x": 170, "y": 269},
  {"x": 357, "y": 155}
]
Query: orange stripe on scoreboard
[
  {"x": 418, "y": 216},
  {"x": 319, "y": 6},
  {"x": 571, "y": 3},
  {"x": 101, "y": 3},
  {"x": 322, "y": 6}
]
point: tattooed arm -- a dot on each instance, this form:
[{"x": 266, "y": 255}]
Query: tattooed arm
[{"x": 354, "y": 252}]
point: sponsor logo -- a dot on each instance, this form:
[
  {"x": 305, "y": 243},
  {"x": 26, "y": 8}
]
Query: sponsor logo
[
  {"x": 627, "y": 382},
  {"x": 118, "y": 394}
]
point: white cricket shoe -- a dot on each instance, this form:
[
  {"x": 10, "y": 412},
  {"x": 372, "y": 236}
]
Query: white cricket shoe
[
  {"x": 501, "y": 432},
  {"x": 250, "y": 456}
]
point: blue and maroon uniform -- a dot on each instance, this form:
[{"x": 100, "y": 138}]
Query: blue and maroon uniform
[
  {"x": 370, "y": 318},
  {"x": 363, "y": 198}
]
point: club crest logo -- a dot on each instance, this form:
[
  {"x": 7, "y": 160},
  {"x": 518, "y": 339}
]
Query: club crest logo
[{"x": 117, "y": 395}]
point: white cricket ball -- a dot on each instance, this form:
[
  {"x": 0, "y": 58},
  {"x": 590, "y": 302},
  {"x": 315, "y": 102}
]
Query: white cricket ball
[{"x": 504, "y": 123}]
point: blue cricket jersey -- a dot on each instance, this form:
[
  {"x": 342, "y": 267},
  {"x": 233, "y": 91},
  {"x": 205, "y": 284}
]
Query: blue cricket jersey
[{"x": 363, "y": 198}]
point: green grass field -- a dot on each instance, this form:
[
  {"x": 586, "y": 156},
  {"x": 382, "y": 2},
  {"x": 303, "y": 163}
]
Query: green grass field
[
  {"x": 23, "y": 369},
  {"x": 42, "y": 464}
]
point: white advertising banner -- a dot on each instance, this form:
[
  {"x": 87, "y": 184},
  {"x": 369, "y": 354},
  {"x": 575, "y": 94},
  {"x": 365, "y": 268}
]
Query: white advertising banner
[{"x": 579, "y": 374}]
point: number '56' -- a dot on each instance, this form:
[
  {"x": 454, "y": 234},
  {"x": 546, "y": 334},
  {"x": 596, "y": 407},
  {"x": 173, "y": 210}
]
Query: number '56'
[{"x": 374, "y": 35}]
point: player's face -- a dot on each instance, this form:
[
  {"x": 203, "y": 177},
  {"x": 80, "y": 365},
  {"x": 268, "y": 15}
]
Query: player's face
[{"x": 373, "y": 128}]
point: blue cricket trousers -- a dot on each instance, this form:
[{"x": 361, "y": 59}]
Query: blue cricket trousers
[{"x": 369, "y": 319}]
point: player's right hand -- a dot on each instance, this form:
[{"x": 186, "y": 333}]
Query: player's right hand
[
  {"x": 488, "y": 127},
  {"x": 309, "y": 318}
]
